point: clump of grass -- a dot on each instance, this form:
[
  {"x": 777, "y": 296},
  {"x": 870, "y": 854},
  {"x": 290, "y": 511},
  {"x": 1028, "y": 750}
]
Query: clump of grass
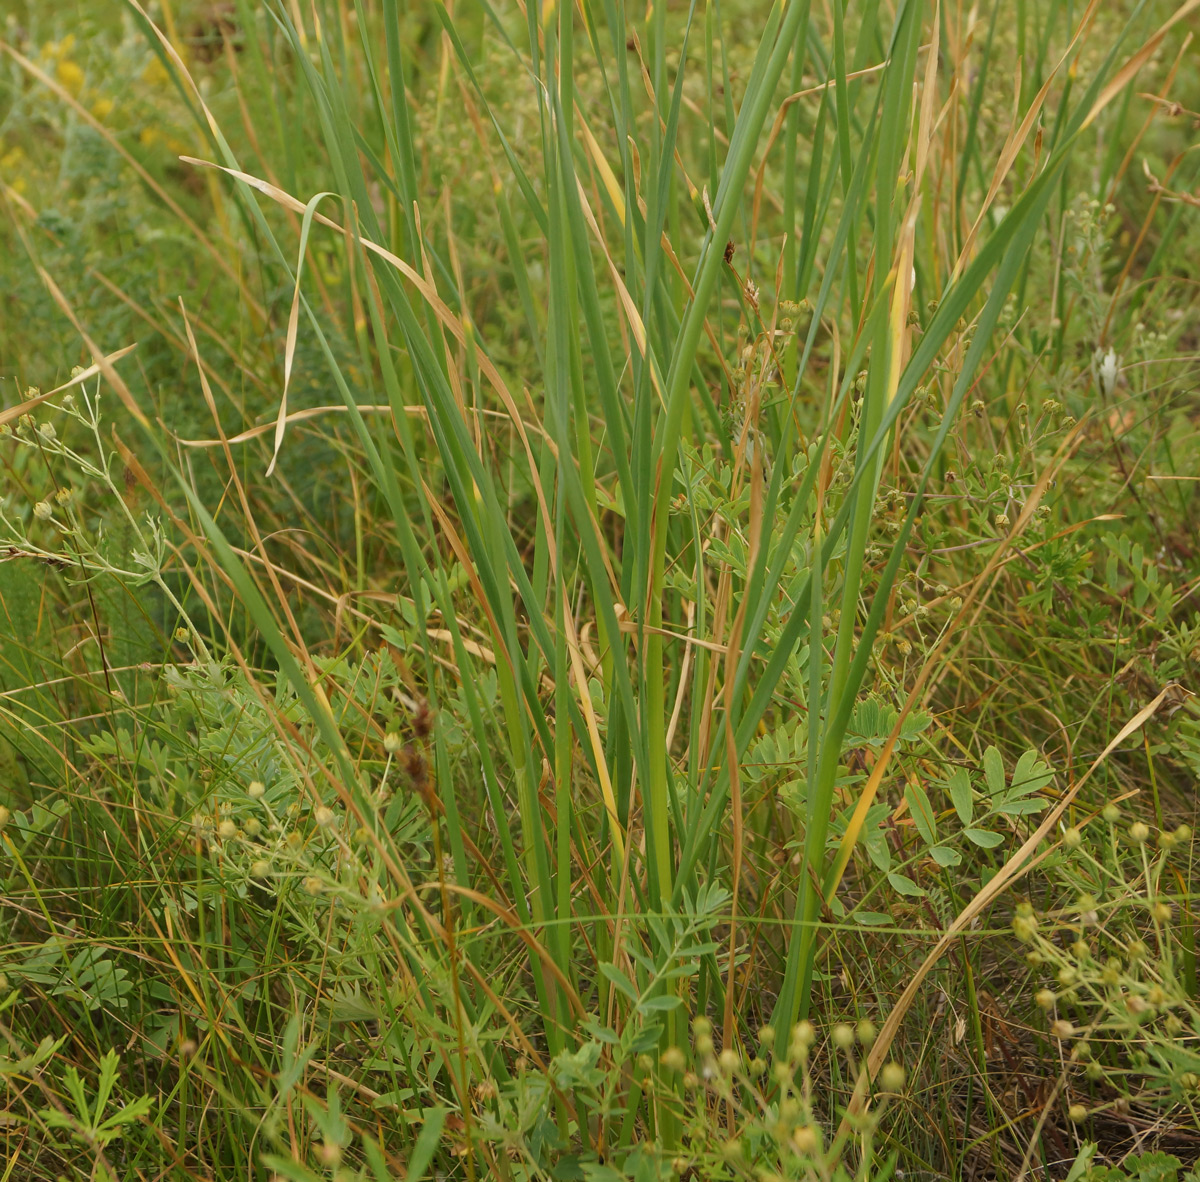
[{"x": 615, "y": 698}]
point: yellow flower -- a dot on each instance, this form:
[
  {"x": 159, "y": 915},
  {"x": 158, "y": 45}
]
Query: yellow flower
[
  {"x": 70, "y": 75},
  {"x": 102, "y": 108},
  {"x": 155, "y": 73},
  {"x": 149, "y": 136}
]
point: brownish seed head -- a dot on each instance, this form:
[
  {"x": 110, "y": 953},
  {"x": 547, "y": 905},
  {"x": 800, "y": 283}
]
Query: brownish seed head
[
  {"x": 422, "y": 722},
  {"x": 414, "y": 766}
]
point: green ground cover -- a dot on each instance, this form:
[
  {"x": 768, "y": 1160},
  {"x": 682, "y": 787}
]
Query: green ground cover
[{"x": 599, "y": 592}]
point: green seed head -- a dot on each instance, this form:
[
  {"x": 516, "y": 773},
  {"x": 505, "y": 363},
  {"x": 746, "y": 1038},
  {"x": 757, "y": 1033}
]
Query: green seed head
[
  {"x": 1024, "y": 928},
  {"x": 806, "y": 1140},
  {"x": 804, "y": 1033},
  {"x": 673, "y": 1059},
  {"x": 843, "y": 1036}
]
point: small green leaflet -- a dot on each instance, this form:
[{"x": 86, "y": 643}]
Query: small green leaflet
[
  {"x": 1084, "y": 1159},
  {"x": 943, "y": 855},
  {"x": 922, "y": 812},
  {"x": 871, "y": 919},
  {"x": 621, "y": 981},
  {"x": 984, "y": 837},
  {"x": 959, "y": 787},
  {"x": 878, "y": 852},
  {"x": 1029, "y": 776},
  {"x": 1021, "y": 808},
  {"x": 905, "y": 885},
  {"x": 29, "y": 1063},
  {"x": 874, "y": 837},
  {"x": 295, "y": 1059},
  {"x": 872, "y": 722},
  {"x": 427, "y": 1143},
  {"x": 647, "y": 1039},
  {"x": 603, "y": 1033},
  {"x": 993, "y": 771}
]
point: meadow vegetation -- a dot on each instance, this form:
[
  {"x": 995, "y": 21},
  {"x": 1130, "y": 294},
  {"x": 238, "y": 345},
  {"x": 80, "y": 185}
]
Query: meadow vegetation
[{"x": 599, "y": 592}]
